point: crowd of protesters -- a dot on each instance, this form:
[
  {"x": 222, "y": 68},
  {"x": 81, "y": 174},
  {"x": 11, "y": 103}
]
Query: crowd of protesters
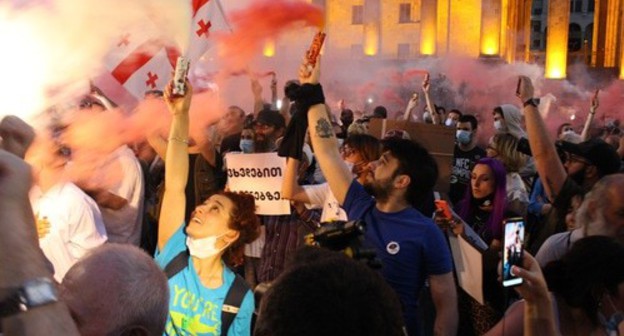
[{"x": 154, "y": 242}]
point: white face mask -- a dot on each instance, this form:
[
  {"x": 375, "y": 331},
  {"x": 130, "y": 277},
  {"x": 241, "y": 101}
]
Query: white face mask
[
  {"x": 350, "y": 165},
  {"x": 449, "y": 122},
  {"x": 427, "y": 117},
  {"x": 498, "y": 125},
  {"x": 204, "y": 247}
]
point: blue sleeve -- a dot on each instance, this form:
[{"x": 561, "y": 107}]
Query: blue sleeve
[
  {"x": 242, "y": 322},
  {"x": 437, "y": 252},
  {"x": 175, "y": 245},
  {"x": 357, "y": 201},
  {"x": 536, "y": 201}
]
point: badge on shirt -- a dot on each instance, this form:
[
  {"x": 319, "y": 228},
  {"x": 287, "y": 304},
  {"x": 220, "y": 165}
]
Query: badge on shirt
[{"x": 393, "y": 247}]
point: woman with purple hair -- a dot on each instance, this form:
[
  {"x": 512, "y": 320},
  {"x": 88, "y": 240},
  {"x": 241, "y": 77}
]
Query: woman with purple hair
[{"x": 483, "y": 208}]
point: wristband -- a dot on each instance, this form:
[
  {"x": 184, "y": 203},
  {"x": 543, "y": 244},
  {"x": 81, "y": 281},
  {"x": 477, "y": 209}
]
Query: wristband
[
  {"x": 310, "y": 94},
  {"x": 179, "y": 140},
  {"x": 531, "y": 101}
]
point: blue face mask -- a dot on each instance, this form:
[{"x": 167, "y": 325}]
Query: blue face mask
[
  {"x": 246, "y": 145},
  {"x": 463, "y": 137}
]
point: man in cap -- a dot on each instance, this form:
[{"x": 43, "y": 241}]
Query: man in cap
[{"x": 586, "y": 163}]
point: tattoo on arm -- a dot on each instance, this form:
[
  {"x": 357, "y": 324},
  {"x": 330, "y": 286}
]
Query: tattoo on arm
[{"x": 324, "y": 128}]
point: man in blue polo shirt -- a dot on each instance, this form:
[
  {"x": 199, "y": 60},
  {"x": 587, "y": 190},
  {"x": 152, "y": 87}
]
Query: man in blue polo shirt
[{"x": 411, "y": 248}]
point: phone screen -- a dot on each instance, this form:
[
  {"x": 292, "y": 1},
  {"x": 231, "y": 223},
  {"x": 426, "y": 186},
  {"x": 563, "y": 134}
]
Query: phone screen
[{"x": 512, "y": 250}]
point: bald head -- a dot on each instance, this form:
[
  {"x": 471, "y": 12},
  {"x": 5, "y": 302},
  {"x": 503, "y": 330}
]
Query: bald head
[{"x": 117, "y": 289}]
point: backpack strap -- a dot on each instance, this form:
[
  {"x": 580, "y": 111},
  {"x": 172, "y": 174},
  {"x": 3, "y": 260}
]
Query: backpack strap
[
  {"x": 233, "y": 300},
  {"x": 177, "y": 264}
]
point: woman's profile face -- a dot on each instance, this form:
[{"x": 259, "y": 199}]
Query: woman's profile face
[
  {"x": 482, "y": 181},
  {"x": 211, "y": 218}
]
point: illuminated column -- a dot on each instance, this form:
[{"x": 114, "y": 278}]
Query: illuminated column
[
  {"x": 503, "y": 31},
  {"x": 526, "y": 31},
  {"x": 557, "y": 40},
  {"x": 490, "y": 27},
  {"x": 372, "y": 13},
  {"x": 621, "y": 34},
  {"x": 511, "y": 33},
  {"x": 607, "y": 33},
  {"x": 428, "y": 25}
]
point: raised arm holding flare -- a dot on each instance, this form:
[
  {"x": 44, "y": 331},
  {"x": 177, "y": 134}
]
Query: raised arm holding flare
[
  {"x": 409, "y": 245},
  {"x": 590, "y": 117}
]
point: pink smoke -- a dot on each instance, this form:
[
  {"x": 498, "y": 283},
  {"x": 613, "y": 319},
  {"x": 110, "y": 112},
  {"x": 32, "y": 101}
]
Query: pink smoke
[{"x": 263, "y": 20}]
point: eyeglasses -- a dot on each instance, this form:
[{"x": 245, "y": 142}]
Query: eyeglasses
[
  {"x": 575, "y": 158},
  {"x": 263, "y": 127}
]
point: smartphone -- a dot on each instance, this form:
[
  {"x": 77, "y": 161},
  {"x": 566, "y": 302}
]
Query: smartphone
[
  {"x": 426, "y": 79},
  {"x": 315, "y": 48},
  {"x": 512, "y": 249},
  {"x": 443, "y": 205},
  {"x": 179, "y": 76},
  {"x": 518, "y": 86}
]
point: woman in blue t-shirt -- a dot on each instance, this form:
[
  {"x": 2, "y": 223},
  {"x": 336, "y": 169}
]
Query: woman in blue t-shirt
[{"x": 216, "y": 234}]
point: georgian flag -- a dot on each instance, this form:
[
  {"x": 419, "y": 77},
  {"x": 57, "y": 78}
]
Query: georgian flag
[
  {"x": 137, "y": 64},
  {"x": 208, "y": 17}
]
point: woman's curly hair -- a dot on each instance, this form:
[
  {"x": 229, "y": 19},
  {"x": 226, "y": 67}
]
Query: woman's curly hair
[{"x": 244, "y": 220}]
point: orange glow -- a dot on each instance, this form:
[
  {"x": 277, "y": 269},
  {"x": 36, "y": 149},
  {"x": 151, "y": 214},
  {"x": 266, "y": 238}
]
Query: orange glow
[
  {"x": 428, "y": 28},
  {"x": 557, "y": 39},
  {"x": 269, "y": 48},
  {"x": 371, "y": 40},
  {"x": 489, "y": 47},
  {"x": 490, "y": 27},
  {"x": 556, "y": 63}
]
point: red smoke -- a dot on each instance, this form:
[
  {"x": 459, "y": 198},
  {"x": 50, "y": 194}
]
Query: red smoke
[{"x": 261, "y": 21}]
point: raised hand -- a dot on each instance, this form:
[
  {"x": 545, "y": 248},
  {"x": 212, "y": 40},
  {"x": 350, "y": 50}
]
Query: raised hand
[
  {"x": 426, "y": 85},
  {"x": 17, "y": 136},
  {"x": 15, "y": 178},
  {"x": 525, "y": 89},
  {"x": 533, "y": 286},
  {"x": 178, "y": 104},
  {"x": 309, "y": 73},
  {"x": 594, "y": 102}
]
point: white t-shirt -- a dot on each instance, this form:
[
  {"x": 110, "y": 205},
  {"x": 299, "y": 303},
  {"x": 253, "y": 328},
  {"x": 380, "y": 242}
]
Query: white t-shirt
[
  {"x": 516, "y": 190},
  {"x": 254, "y": 249},
  {"x": 556, "y": 246},
  {"x": 124, "y": 225},
  {"x": 321, "y": 195},
  {"x": 75, "y": 224}
]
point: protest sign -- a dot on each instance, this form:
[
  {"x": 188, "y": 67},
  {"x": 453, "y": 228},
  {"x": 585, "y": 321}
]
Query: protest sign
[
  {"x": 259, "y": 175},
  {"x": 437, "y": 139}
]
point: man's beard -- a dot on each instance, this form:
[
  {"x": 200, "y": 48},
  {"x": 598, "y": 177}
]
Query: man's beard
[
  {"x": 262, "y": 145},
  {"x": 579, "y": 177},
  {"x": 380, "y": 189}
]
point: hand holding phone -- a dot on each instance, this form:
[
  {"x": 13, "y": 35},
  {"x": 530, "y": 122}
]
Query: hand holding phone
[{"x": 512, "y": 250}]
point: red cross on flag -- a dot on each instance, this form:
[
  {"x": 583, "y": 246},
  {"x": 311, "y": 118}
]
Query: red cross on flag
[
  {"x": 137, "y": 64},
  {"x": 208, "y": 17}
]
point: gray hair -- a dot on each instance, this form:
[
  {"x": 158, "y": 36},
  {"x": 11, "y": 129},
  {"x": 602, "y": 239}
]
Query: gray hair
[
  {"x": 133, "y": 288},
  {"x": 596, "y": 197}
]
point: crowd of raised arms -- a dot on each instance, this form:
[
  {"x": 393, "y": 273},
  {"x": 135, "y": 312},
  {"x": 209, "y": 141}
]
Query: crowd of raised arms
[{"x": 154, "y": 241}]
